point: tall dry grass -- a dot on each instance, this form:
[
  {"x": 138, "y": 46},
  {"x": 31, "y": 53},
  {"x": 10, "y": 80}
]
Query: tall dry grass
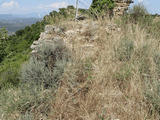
[
  {"x": 117, "y": 85},
  {"x": 111, "y": 76}
]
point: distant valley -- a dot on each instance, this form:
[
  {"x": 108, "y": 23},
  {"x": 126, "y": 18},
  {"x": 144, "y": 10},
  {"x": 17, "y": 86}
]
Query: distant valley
[{"x": 16, "y": 22}]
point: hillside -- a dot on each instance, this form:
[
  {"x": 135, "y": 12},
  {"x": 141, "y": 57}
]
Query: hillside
[
  {"x": 97, "y": 68},
  {"x": 16, "y": 48},
  {"x": 13, "y": 23}
]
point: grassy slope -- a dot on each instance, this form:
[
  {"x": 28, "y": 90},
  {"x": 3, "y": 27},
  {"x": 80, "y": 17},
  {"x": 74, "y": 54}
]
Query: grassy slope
[
  {"x": 123, "y": 83},
  {"x": 120, "y": 81}
]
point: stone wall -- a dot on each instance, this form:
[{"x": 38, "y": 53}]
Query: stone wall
[
  {"x": 121, "y": 6},
  {"x": 82, "y": 35}
]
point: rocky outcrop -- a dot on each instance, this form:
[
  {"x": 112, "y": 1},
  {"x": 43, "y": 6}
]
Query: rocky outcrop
[
  {"x": 51, "y": 36},
  {"x": 81, "y": 35},
  {"x": 121, "y": 6}
]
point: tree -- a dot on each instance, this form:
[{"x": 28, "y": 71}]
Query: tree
[
  {"x": 3, "y": 33},
  {"x": 138, "y": 12},
  {"x": 3, "y": 42},
  {"x": 102, "y": 6}
]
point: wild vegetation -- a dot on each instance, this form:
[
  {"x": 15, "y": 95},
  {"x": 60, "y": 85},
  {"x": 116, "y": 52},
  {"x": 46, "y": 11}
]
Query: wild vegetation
[
  {"x": 120, "y": 81},
  {"x": 99, "y": 6},
  {"x": 16, "y": 48}
]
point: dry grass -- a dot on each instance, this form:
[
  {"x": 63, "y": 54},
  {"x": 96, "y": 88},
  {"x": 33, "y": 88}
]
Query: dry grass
[
  {"x": 116, "y": 88},
  {"x": 114, "y": 76}
]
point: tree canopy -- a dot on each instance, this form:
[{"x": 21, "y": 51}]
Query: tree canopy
[
  {"x": 3, "y": 40},
  {"x": 100, "y": 6}
]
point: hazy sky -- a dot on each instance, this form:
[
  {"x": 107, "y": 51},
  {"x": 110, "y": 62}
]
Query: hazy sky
[{"x": 44, "y": 6}]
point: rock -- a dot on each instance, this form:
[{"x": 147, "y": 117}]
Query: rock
[
  {"x": 70, "y": 32},
  {"x": 35, "y": 43},
  {"x": 81, "y": 17},
  {"x": 42, "y": 36},
  {"x": 121, "y": 6},
  {"x": 33, "y": 47},
  {"x": 112, "y": 28},
  {"x": 49, "y": 29},
  {"x": 34, "y": 52},
  {"x": 118, "y": 29}
]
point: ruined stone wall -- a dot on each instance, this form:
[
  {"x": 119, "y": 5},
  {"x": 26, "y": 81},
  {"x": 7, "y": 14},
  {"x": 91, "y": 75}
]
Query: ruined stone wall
[{"x": 121, "y": 6}]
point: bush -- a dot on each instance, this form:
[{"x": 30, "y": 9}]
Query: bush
[
  {"x": 47, "y": 67},
  {"x": 9, "y": 78},
  {"x": 3, "y": 43},
  {"x": 21, "y": 102},
  {"x": 138, "y": 12},
  {"x": 99, "y": 7},
  {"x": 43, "y": 70}
]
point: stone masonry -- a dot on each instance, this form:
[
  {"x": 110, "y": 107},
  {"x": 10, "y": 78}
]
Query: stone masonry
[{"x": 121, "y": 6}]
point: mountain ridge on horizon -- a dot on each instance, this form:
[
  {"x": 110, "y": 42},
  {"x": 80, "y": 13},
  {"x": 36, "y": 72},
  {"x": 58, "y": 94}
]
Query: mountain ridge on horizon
[
  {"x": 29, "y": 15},
  {"x": 16, "y": 22}
]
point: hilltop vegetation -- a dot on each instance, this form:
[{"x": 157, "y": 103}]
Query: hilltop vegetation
[
  {"x": 97, "y": 69},
  {"x": 17, "y": 47}
]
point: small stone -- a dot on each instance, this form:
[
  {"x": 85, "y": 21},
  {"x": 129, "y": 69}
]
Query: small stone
[
  {"x": 81, "y": 17},
  {"x": 70, "y": 32},
  {"x": 33, "y": 52},
  {"x": 59, "y": 30},
  {"x": 35, "y": 42},
  {"x": 119, "y": 29},
  {"x": 49, "y": 29},
  {"x": 33, "y": 46}
]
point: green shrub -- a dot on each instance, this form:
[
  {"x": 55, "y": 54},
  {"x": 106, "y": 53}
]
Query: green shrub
[
  {"x": 43, "y": 70},
  {"x": 36, "y": 72},
  {"x": 125, "y": 49},
  {"x": 138, "y": 10},
  {"x": 23, "y": 100},
  {"x": 9, "y": 78},
  {"x": 47, "y": 67},
  {"x": 99, "y": 7},
  {"x": 138, "y": 13},
  {"x": 3, "y": 43}
]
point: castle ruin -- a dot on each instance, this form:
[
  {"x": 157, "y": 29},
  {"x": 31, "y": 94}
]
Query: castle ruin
[{"x": 121, "y": 6}]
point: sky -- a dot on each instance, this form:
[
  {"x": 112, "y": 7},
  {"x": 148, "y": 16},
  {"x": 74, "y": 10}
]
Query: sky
[{"x": 46, "y": 6}]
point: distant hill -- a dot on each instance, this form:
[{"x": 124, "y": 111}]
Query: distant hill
[{"x": 16, "y": 22}]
